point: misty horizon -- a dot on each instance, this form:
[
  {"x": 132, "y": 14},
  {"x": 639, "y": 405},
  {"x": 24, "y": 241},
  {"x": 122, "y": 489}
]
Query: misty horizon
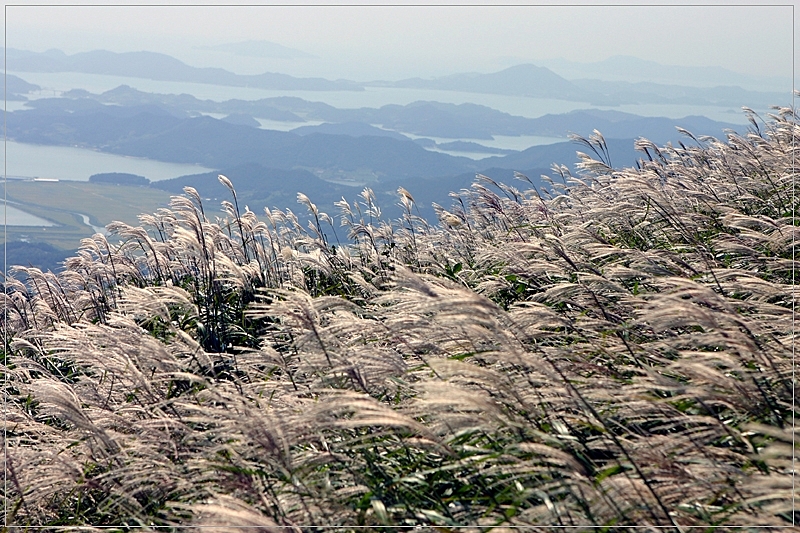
[
  {"x": 618, "y": 67},
  {"x": 381, "y": 42}
]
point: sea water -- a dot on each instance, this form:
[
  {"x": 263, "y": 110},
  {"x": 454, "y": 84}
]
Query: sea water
[{"x": 71, "y": 163}]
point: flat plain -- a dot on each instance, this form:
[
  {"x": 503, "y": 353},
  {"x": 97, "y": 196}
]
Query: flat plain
[{"x": 64, "y": 203}]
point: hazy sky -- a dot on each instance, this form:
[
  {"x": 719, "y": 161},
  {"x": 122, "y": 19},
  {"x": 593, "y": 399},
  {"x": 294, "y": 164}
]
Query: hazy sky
[{"x": 373, "y": 41}]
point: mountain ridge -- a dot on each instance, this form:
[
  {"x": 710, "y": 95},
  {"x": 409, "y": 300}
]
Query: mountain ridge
[
  {"x": 526, "y": 79},
  {"x": 162, "y": 67}
]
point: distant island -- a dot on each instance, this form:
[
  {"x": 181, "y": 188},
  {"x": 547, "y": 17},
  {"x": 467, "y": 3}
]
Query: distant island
[
  {"x": 422, "y": 118},
  {"x": 119, "y": 178}
]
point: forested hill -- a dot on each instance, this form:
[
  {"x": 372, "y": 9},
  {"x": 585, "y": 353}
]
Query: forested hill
[
  {"x": 425, "y": 118},
  {"x": 148, "y": 131}
]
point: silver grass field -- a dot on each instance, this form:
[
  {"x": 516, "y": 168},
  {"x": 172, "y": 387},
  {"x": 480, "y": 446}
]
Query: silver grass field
[{"x": 614, "y": 349}]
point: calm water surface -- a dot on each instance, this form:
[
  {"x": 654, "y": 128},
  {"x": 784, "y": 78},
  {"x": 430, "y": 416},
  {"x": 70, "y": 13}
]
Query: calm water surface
[
  {"x": 77, "y": 164},
  {"x": 17, "y": 217},
  {"x": 70, "y": 163}
]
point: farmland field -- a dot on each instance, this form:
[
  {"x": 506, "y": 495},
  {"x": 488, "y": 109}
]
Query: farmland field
[{"x": 64, "y": 203}]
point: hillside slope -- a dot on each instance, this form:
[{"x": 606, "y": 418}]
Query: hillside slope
[{"x": 616, "y": 352}]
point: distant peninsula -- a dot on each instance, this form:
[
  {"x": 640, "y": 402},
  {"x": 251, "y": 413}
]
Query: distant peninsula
[{"x": 161, "y": 67}]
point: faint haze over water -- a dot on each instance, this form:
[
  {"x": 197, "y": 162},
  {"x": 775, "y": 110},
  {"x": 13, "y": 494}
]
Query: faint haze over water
[{"x": 392, "y": 42}]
